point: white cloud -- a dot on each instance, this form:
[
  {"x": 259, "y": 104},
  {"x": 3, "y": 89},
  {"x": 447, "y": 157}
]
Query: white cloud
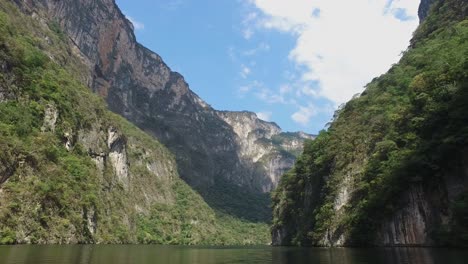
[
  {"x": 245, "y": 71},
  {"x": 262, "y": 47},
  {"x": 231, "y": 53},
  {"x": 136, "y": 24},
  {"x": 173, "y": 4},
  {"x": 266, "y": 115},
  {"x": 255, "y": 85},
  {"x": 248, "y": 30},
  {"x": 265, "y": 94},
  {"x": 247, "y": 33},
  {"x": 344, "y": 44},
  {"x": 304, "y": 114},
  {"x": 285, "y": 89},
  {"x": 307, "y": 90},
  {"x": 410, "y": 6},
  {"x": 268, "y": 96},
  {"x": 244, "y": 89}
]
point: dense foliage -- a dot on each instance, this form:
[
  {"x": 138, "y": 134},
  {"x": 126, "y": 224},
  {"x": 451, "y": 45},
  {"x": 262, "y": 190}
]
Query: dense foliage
[
  {"x": 51, "y": 190},
  {"x": 408, "y": 128},
  {"x": 197, "y": 224},
  {"x": 237, "y": 201}
]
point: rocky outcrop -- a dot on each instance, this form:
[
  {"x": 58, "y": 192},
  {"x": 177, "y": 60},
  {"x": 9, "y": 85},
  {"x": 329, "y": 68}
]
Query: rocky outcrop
[
  {"x": 50, "y": 118},
  {"x": 389, "y": 170},
  {"x": 424, "y": 8},
  {"x": 138, "y": 85},
  {"x": 425, "y": 208},
  {"x": 409, "y": 225},
  {"x": 264, "y": 147},
  {"x": 73, "y": 172},
  {"x": 422, "y": 210},
  {"x": 127, "y": 185},
  {"x": 118, "y": 156},
  {"x": 114, "y": 153}
]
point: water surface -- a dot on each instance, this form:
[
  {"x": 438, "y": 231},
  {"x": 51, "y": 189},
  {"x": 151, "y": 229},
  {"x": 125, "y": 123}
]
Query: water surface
[{"x": 141, "y": 254}]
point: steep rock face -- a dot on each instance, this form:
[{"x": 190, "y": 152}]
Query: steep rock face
[
  {"x": 263, "y": 146},
  {"x": 392, "y": 168},
  {"x": 408, "y": 226},
  {"x": 423, "y": 9},
  {"x": 59, "y": 196},
  {"x": 118, "y": 156},
  {"x": 71, "y": 171},
  {"x": 137, "y": 84},
  {"x": 425, "y": 208}
]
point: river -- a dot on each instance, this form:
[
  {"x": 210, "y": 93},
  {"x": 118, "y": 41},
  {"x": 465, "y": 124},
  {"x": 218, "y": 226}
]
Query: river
[{"x": 149, "y": 254}]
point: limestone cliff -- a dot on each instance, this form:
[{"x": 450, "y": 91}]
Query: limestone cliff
[
  {"x": 425, "y": 208},
  {"x": 71, "y": 171},
  {"x": 263, "y": 146},
  {"x": 423, "y": 9},
  {"x": 137, "y": 84},
  {"x": 391, "y": 170}
]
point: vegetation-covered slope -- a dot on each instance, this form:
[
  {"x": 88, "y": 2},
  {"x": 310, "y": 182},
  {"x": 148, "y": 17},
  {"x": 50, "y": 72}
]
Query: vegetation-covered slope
[
  {"x": 392, "y": 167},
  {"x": 73, "y": 172},
  {"x": 137, "y": 84}
]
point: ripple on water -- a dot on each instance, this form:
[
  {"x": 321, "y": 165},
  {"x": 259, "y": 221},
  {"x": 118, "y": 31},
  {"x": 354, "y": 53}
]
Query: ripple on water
[{"x": 150, "y": 254}]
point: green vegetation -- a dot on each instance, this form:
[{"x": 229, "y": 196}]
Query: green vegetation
[
  {"x": 233, "y": 200},
  {"x": 408, "y": 128},
  {"x": 196, "y": 223},
  {"x": 286, "y": 138},
  {"x": 58, "y": 183}
]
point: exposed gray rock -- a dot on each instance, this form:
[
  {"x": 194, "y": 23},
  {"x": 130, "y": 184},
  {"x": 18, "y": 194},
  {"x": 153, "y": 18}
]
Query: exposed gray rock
[
  {"x": 408, "y": 226},
  {"x": 137, "y": 84},
  {"x": 50, "y": 118},
  {"x": 424, "y": 207},
  {"x": 68, "y": 139},
  {"x": 118, "y": 156},
  {"x": 91, "y": 220},
  {"x": 424, "y": 8},
  {"x": 278, "y": 235},
  {"x": 263, "y": 146}
]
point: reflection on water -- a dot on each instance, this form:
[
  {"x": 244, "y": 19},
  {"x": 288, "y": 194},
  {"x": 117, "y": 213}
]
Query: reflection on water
[{"x": 102, "y": 254}]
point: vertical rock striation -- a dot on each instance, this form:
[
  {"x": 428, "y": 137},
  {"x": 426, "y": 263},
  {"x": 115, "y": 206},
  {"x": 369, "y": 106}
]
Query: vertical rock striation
[
  {"x": 71, "y": 171},
  {"x": 264, "y": 147},
  {"x": 391, "y": 170},
  {"x": 138, "y": 85},
  {"x": 424, "y": 8}
]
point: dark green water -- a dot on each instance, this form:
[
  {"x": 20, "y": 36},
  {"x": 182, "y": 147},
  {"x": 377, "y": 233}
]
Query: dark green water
[{"x": 208, "y": 255}]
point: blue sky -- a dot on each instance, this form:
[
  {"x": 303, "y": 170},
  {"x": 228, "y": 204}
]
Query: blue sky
[{"x": 292, "y": 62}]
